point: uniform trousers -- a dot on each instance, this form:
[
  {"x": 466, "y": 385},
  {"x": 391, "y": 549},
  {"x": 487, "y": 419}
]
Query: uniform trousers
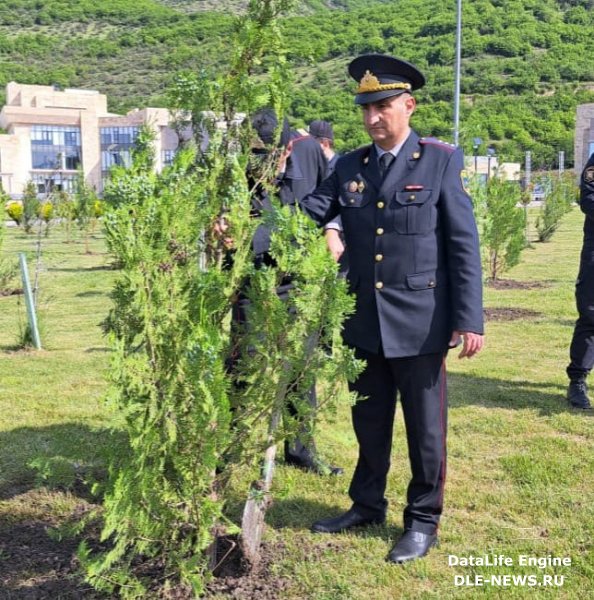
[
  {"x": 420, "y": 382},
  {"x": 581, "y": 351},
  {"x": 300, "y": 448}
]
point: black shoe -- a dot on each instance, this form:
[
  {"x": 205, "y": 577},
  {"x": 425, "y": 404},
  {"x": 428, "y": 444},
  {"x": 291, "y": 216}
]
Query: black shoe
[
  {"x": 412, "y": 545},
  {"x": 313, "y": 465},
  {"x": 577, "y": 395},
  {"x": 351, "y": 518}
]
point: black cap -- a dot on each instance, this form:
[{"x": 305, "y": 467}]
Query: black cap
[
  {"x": 321, "y": 129},
  {"x": 380, "y": 76},
  {"x": 265, "y": 122}
]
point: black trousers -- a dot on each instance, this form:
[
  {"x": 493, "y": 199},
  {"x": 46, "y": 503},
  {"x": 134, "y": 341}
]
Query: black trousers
[
  {"x": 302, "y": 447},
  {"x": 420, "y": 382},
  {"x": 581, "y": 351}
]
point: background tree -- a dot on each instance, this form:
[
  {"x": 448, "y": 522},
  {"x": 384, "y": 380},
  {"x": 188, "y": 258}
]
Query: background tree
[
  {"x": 85, "y": 199},
  {"x": 8, "y": 267},
  {"x": 30, "y": 206},
  {"x": 562, "y": 193},
  {"x": 501, "y": 224}
]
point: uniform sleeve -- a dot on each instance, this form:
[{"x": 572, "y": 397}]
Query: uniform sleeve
[
  {"x": 322, "y": 204},
  {"x": 462, "y": 249},
  {"x": 587, "y": 189},
  {"x": 335, "y": 223}
]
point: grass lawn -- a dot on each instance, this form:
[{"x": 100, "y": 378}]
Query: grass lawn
[{"x": 520, "y": 472}]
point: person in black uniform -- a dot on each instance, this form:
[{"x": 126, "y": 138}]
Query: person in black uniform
[
  {"x": 581, "y": 351},
  {"x": 322, "y": 131},
  {"x": 414, "y": 267},
  {"x": 302, "y": 170}
]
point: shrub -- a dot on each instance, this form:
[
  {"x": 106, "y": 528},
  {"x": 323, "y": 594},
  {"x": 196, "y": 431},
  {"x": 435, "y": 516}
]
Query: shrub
[
  {"x": 30, "y": 206},
  {"x": 14, "y": 210},
  {"x": 501, "y": 223},
  {"x": 563, "y": 193}
]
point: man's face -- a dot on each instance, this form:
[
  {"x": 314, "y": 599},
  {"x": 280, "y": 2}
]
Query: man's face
[{"x": 387, "y": 121}]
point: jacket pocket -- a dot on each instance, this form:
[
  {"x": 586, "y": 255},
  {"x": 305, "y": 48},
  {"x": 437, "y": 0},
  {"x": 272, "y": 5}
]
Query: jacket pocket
[
  {"x": 422, "y": 281},
  {"x": 413, "y": 212}
]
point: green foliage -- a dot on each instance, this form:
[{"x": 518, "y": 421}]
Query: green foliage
[
  {"x": 85, "y": 201},
  {"x": 190, "y": 422},
  {"x": 30, "y": 206},
  {"x": 54, "y": 472},
  {"x": 525, "y": 66},
  {"x": 501, "y": 224},
  {"x": 14, "y": 210},
  {"x": 8, "y": 267},
  {"x": 562, "y": 194}
]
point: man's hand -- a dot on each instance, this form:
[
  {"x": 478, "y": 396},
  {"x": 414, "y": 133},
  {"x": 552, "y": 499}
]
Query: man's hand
[
  {"x": 281, "y": 167},
  {"x": 219, "y": 229},
  {"x": 334, "y": 243},
  {"x": 473, "y": 343}
]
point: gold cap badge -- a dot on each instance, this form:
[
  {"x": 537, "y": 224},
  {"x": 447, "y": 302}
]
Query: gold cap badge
[{"x": 370, "y": 83}]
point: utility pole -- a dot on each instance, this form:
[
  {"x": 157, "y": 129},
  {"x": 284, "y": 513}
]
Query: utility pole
[{"x": 458, "y": 68}]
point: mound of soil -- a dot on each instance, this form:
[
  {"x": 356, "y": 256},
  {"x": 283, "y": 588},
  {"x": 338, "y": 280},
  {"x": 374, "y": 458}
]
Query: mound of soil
[
  {"x": 510, "y": 314},
  {"x": 35, "y": 566},
  {"x": 512, "y": 284},
  {"x": 11, "y": 292}
]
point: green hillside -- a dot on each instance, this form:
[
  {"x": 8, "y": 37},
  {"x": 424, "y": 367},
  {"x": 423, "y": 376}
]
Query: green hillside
[{"x": 526, "y": 63}]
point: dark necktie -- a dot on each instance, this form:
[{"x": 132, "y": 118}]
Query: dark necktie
[{"x": 385, "y": 161}]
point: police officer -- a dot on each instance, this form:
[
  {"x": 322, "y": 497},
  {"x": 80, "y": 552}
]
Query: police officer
[
  {"x": 581, "y": 351},
  {"x": 303, "y": 168},
  {"x": 415, "y": 271},
  {"x": 322, "y": 131}
]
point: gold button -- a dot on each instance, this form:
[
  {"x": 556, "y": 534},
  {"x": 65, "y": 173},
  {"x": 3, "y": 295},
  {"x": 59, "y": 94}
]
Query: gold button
[
  {"x": 379, "y": 285},
  {"x": 379, "y": 257},
  {"x": 431, "y": 283},
  {"x": 379, "y": 231},
  {"x": 352, "y": 201},
  {"x": 380, "y": 204},
  {"x": 411, "y": 197}
]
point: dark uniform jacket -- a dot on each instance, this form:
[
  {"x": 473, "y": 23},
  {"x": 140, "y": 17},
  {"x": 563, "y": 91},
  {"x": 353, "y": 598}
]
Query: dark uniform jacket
[
  {"x": 413, "y": 247},
  {"x": 585, "y": 280},
  {"x": 306, "y": 169},
  {"x": 587, "y": 206}
]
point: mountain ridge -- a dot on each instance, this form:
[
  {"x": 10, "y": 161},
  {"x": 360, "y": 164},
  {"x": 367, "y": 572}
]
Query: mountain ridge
[{"x": 525, "y": 66}]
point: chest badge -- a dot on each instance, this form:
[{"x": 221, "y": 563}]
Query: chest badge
[
  {"x": 413, "y": 188},
  {"x": 353, "y": 187}
]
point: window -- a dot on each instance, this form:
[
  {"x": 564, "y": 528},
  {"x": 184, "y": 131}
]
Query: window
[
  {"x": 117, "y": 144},
  {"x": 55, "y": 147},
  {"x": 168, "y": 156},
  {"x": 54, "y": 182}
]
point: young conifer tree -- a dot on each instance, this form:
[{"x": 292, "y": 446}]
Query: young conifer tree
[{"x": 189, "y": 422}]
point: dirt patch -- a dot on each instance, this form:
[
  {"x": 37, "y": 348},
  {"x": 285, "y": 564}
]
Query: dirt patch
[
  {"x": 234, "y": 578},
  {"x": 510, "y": 314},
  {"x": 512, "y": 284},
  {"x": 35, "y": 566},
  {"x": 38, "y": 563},
  {"x": 11, "y": 292}
]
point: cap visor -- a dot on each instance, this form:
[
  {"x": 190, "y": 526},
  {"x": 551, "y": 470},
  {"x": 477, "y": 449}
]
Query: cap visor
[{"x": 369, "y": 97}]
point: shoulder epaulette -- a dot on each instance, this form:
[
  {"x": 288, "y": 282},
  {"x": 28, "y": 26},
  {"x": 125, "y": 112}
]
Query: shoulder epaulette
[
  {"x": 429, "y": 141},
  {"x": 299, "y": 138},
  {"x": 362, "y": 153}
]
